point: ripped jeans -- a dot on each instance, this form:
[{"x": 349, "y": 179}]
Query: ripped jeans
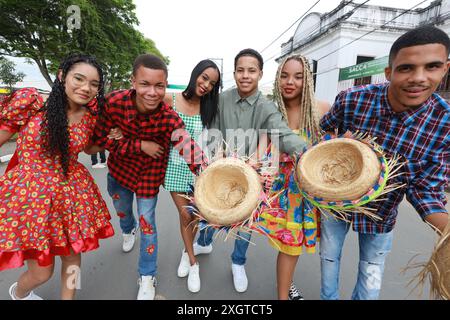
[
  {"x": 373, "y": 249},
  {"x": 123, "y": 203}
]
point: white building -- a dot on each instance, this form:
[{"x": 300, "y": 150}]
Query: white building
[{"x": 352, "y": 34}]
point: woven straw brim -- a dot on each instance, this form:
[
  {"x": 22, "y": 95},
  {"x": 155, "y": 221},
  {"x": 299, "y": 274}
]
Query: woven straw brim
[
  {"x": 338, "y": 169},
  {"x": 227, "y": 191},
  {"x": 439, "y": 268}
]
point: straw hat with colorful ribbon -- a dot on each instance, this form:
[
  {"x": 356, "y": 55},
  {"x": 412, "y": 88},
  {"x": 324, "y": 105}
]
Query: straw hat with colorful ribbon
[{"x": 340, "y": 175}]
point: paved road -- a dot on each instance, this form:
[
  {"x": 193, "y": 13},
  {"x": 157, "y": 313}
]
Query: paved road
[{"x": 108, "y": 273}]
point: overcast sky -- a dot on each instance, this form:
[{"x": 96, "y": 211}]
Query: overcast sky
[{"x": 189, "y": 31}]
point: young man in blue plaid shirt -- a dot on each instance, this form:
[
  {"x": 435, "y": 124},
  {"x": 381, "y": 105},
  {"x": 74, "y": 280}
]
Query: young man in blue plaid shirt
[{"x": 407, "y": 118}]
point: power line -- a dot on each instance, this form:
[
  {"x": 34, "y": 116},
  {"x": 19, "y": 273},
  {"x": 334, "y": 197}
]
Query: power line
[
  {"x": 276, "y": 54},
  {"x": 344, "y": 17},
  {"x": 325, "y": 71},
  {"x": 373, "y": 30},
  {"x": 290, "y": 26},
  {"x": 359, "y": 38}
]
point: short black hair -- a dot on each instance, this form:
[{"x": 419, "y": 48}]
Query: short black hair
[
  {"x": 149, "y": 61},
  {"x": 252, "y": 53},
  {"x": 419, "y": 36}
]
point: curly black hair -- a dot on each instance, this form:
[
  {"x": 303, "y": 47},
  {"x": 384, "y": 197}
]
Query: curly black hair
[{"x": 55, "y": 125}]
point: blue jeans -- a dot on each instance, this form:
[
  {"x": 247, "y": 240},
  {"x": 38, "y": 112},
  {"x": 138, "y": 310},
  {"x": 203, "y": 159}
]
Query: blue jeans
[
  {"x": 205, "y": 238},
  {"x": 123, "y": 203},
  {"x": 373, "y": 249}
]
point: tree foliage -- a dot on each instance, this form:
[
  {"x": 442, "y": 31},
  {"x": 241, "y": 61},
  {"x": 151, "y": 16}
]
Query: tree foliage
[
  {"x": 8, "y": 74},
  {"x": 47, "y": 31}
]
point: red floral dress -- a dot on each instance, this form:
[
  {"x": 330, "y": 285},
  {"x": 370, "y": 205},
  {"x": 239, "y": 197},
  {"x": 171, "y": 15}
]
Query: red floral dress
[
  {"x": 43, "y": 213},
  {"x": 12, "y": 162}
]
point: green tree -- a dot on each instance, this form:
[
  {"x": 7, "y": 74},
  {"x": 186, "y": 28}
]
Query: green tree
[
  {"x": 8, "y": 74},
  {"x": 47, "y": 31}
]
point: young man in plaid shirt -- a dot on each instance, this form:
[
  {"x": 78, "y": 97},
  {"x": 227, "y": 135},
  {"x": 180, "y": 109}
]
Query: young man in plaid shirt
[
  {"x": 137, "y": 162},
  {"x": 407, "y": 118}
]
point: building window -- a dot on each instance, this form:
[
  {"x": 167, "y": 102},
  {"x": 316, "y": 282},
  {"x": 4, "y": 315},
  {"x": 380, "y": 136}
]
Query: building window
[
  {"x": 364, "y": 80},
  {"x": 314, "y": 72}
]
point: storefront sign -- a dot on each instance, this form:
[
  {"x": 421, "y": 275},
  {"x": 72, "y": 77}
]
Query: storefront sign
[{"x": 364, "y": 69}]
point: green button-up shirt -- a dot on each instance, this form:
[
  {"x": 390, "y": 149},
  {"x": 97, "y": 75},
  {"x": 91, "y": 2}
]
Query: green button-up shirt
[{"x": 240, "y": 120}]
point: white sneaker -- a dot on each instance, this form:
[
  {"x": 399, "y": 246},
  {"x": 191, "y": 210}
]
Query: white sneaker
[
  {"x": 30, "y": 296},
  {"x": 239, "y": 277},
  {"x": 99, "y": 166},
  {"x": 183, "y": 267},
  {"x": 198, "y": 249},
  {"x": 147, "y": 286},
  {"x": 128, "y": 240},
  {"x": 194, "y": 278}
]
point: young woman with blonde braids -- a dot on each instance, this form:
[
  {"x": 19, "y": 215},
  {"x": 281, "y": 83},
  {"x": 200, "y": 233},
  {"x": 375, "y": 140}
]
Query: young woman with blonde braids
[{"x": 291, "y": 224}]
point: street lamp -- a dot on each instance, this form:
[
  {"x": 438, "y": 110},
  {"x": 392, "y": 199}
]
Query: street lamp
[{"x": 221, "y": 71}]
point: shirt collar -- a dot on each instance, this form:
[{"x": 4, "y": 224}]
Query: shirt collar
[
  {"x": 408, "y": 116},
  {"x": 383, "y": 105},
  {"x": 250, "y": 100},
  {"x": 132, "y": 111}
]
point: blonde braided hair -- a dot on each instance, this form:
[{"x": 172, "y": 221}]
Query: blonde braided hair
[{"x": 309, "y": 118}]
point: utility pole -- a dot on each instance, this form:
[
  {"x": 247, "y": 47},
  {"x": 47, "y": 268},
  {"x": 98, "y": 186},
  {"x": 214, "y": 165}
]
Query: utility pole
[{"x": 221, "y": 71}]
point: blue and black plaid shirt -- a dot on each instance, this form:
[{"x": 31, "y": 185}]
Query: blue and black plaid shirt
[{"x": 421, "y": 136}]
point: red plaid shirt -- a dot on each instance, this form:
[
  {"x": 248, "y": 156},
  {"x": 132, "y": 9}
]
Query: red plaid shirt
[{"x": 127, "y": 163}]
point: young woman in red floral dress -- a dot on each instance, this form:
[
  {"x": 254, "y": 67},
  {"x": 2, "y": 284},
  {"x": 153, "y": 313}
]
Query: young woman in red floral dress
[{"x": 49, "y": 203}]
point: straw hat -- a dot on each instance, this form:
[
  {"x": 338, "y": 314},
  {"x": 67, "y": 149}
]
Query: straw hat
[
  {"x": 438, "y": 267},
  {"x": 227, "y": 192},
  {"x": 339, "y": 169},
  {"x": 441, "y": 269}
]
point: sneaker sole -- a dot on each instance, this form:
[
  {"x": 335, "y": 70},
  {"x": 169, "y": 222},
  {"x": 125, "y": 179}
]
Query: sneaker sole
[
  {"x": 194, "y": 291},
  {"x": 203, "y": 252},
  {"x": 182, "y": 275},
  {"x": 10, "y": 291},
  {"x": 126, "y": 251}
]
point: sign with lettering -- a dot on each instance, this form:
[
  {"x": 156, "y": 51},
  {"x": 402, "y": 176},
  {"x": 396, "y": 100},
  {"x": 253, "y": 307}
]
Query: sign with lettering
[{"x": 364, "y": 69}]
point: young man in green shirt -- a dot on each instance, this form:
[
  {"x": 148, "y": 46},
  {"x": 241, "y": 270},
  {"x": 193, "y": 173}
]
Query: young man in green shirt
[{"x": 244, "y": 113}]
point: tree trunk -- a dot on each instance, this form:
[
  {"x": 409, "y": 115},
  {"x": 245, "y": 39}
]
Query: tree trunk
[{"x": 44, "y": 71}]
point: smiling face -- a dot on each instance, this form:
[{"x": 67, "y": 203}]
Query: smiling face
[
  {"x": 291, "y": 80},
  {"x": 415, "y": 74},
  {"x": 206, "y": 81},
  {"x": 150, "y": 86},
  {"x": 247, "y": 75},
  {"x": 82, "y": 83}
]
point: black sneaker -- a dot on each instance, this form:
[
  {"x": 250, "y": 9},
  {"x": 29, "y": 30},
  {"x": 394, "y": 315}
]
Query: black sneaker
[{"x": 294, "y": 293}]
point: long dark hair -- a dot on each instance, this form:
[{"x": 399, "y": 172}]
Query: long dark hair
[
  {"x": 209, "y": 102},
  {"x": 55, "y": 125}
]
